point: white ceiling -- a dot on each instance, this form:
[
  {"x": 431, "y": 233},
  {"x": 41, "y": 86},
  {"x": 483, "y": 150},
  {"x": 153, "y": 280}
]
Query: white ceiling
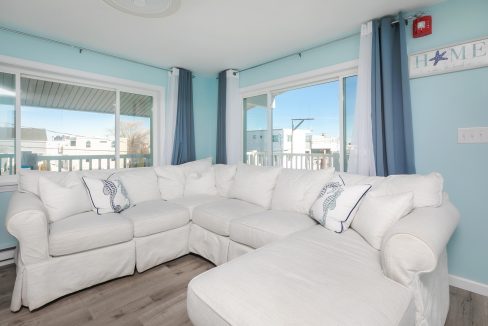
[{"x": 205, "y": 36}]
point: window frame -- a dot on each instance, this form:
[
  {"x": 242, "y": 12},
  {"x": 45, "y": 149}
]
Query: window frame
[
  {"x": 31, "y": 69},
  {"x": 338, "y": 72}
]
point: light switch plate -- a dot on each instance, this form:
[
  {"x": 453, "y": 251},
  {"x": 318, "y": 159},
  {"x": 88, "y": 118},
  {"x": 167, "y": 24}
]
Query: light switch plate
[{"x": 474, "y": 135}]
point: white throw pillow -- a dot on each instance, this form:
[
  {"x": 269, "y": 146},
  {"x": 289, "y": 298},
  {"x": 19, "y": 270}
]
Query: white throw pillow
[
  {"x": 107, "y": 196},
  {"x": 379, "y": 213},
  {"x": 171, "y": 181},
  {"x": 28, "y": 180},
  {"x": 141, "y": 184},
  {"x": 337, "y": 204},
  {"x": 63, "y": 200},
  {"x": 296, "y": 190},
  {"x": 224, "y": 178},
  {"x": 197, "y": 166},
  {"x": 255, "y": 184},
  {"x": 201, "y": 183},
  {"x": 426, "y": 189}
]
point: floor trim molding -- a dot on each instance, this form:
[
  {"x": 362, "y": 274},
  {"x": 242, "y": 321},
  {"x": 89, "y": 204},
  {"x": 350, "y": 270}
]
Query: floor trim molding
[
  {"x": 7, "y": 256},
  {"x": 469, "y": 285}
]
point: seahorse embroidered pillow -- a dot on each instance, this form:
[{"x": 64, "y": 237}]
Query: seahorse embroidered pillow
[
  {"x": 107, "y": 196},
  {"x": 337, "y": 204}
]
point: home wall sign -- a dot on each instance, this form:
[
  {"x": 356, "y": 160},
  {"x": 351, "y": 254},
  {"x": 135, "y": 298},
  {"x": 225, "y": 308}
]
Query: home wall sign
[{"x": 469, "y": 55}]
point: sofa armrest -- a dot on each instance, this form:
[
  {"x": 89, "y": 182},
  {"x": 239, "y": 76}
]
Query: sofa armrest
[
  {"x": 27, "y": 221},
  {"x": 415, "y": 243}
]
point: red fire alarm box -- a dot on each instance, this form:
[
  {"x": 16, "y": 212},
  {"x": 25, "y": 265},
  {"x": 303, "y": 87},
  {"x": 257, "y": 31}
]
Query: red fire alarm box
[{"x": 422, "y": 26}]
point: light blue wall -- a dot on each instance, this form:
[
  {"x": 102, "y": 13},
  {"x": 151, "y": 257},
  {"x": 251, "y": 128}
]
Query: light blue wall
[
  {"x": 205, "y": 90},
  {"x": 440, "y": 105},
  {"x": 6, "y": 240}
]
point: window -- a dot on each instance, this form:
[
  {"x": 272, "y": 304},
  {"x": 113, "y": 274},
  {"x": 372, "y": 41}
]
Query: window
[
  {"x": 69, "y": 126},
  {"x": 7, "y": 124},
  {"x": 315, "y": 118}
]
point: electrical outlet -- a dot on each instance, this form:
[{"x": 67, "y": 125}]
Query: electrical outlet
[{"x": 474, "y": 135}]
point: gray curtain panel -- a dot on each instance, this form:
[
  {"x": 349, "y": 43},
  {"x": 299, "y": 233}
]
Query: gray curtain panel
[
  {"x": 221, "y": 116},
  {"x": 391, "y": 108},
  {"x": 184, "y": 143}
]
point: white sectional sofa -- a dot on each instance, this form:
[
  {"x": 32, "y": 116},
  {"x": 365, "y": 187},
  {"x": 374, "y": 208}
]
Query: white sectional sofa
[{"x": 288, "y": 269}]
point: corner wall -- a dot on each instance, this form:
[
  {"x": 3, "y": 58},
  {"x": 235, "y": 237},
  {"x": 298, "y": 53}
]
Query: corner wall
[{"x": 440, "y": 105}]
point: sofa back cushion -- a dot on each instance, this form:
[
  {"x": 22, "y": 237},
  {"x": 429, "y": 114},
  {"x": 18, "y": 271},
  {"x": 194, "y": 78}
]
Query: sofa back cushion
[
  {"x": 297, "y": 190},
  {"x": 171, "y": 181},
  {"x": 172, "y": 178},
  {"x": 28, "y": 180},
  {"x": 63, "y": 199},
  {"x": 224, "y": 178},
  {"x": 141, "y": 184},
  {"x": 255, "y": 184},
  {"x": 427, "y": 189}
]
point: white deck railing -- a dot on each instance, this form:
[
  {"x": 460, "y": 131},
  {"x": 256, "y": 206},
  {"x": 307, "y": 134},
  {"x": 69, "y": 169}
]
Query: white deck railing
[
  {"x": 76, "y": 162},
  {"x": 309, "y": 161}
]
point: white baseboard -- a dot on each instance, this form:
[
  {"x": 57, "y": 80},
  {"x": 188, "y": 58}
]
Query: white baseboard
[
  {"x": 468, "y": 285},
  {"x": 7, "y": 262},
  {"x": 7, "y": 254}
]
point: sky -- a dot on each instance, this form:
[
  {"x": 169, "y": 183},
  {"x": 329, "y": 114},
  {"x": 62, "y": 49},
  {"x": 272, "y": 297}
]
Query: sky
[
  {"x": 79, "y": 123},
  {"x": 320, "y": 102}
]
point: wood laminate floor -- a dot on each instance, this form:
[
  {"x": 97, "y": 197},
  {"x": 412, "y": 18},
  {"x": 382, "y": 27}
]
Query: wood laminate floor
[{"x": 158, "y": 297}]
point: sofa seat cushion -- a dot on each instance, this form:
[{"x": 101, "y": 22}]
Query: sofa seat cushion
[
  {"x": 313, "y": 277},
  {"x": 216, "y": 216},
  {"x": 156, "y": 216},
  {"x": 88, "y": 231},
  {"x": 265, "y": 227},
  {"x": 190, "y": 202}
]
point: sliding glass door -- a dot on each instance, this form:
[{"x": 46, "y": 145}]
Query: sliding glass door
[{"x": 302, "y": 127}]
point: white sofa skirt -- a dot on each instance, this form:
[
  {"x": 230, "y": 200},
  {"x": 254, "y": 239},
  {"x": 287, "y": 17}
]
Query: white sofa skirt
[
  {"x": 236, "y": 249},
  {"x": 209, "y": 245},
  {"x": 159, "y": 248},
  {"x": 40, "y": 283}
]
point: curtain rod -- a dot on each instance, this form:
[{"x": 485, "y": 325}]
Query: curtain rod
[
  {"x": 79, "y": 48},
  {"x": 299, "y": 54},
  {"x": 417, "y": 15}
]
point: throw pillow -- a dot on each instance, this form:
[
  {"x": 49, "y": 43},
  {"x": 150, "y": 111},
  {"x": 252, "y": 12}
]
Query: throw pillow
[
  {"x": 171, "y": 181},
  {"x": 107, "y": 196},
  {"x": 224, "y": 178},
  {"x": 201, "y": 183},
  {"x": 337, "y": 204},
  {"x": 255, "y": 184},
  {"x": 379, "y": 213},
  {"x": 63, "y": 200}
]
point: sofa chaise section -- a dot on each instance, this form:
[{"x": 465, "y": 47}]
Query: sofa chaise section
[{"x": 314, "y": 277}]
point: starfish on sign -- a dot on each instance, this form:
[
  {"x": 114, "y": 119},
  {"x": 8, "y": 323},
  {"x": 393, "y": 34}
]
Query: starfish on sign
[{"x": 438, "y": 57}]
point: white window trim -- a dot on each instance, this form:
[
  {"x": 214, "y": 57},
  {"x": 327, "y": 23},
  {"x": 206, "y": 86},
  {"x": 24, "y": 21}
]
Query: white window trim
[
  {"x": 27, "y": 68},
  {"x": 336, "y": 72}
]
